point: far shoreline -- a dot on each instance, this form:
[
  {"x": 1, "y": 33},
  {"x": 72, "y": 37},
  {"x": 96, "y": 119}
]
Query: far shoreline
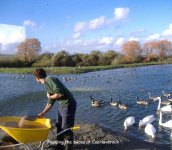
[{"x": 77, "y": 70}]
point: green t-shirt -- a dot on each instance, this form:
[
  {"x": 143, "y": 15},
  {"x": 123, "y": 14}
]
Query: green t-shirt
[{"x": 54, "y": 86}]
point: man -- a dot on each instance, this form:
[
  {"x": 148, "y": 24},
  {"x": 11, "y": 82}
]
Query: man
[{"x": 56, "y": 91}]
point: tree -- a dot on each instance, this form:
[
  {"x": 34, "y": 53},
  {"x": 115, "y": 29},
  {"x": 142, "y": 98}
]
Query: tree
[
  {"x": 163, "y": 47},
  {"x": 108, "y": 57},
  {"x": 149, "y": 51},
  {"x": 94, "y": 57},
  {"x": 62, "y": 58},
  {"x": 132, "y": 51},
  {"x": 29, "y": 50}
]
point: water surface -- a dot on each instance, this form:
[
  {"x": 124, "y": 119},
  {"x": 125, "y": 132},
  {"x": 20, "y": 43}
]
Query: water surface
[{"x": 21, "y": 95}]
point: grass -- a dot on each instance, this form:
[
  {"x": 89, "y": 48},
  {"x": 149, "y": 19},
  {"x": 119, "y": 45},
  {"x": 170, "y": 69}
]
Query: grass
[{"x": 69, "y": 70}]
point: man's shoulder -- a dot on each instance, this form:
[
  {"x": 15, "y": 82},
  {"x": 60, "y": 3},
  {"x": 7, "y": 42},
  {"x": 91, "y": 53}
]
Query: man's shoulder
[{"x": 51, "y": 79}]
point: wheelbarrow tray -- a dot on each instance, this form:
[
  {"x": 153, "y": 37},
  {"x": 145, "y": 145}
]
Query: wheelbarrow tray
[{"x": 26, "y": 135}]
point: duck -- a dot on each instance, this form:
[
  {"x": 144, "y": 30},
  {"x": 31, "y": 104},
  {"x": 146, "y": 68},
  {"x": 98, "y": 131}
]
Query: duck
[
  {"x": 113, "y": 103},
  {"x": 167, "y": 124},
  {"x": 122, "y": 106},
  {"x": 154, "y": 98},
  {"x": 96, "y": 103},
  {"x": 166, "y": 102},
  {"x": 169, "y": 99},
  {"x": 167, "y": 108},
  {"x": 129, "y": 122},
  {"x": 166, "y": 94},
  {"x": 150, "y": 130},
  {"x": 146, "y": 120},
  {"x": 141, "y": 102}
]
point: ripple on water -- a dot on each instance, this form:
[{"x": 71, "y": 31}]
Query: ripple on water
[{"x": 22, "y": 96}]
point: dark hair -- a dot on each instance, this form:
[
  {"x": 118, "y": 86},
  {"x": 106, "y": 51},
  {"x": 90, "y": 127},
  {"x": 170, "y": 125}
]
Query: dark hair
[{"x": 40, "y": 73}]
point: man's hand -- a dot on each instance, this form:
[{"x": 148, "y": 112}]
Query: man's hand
[{"x": 40, "y": 115}]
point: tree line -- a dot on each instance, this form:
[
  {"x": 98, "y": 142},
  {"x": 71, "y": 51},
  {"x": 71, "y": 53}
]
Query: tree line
[{"x": 29, "y": 55}]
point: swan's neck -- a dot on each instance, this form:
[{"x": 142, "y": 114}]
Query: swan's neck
[
  {"x": 140, "y": 123},
  {"x": 125, "y": 126},
  {"x": 159, "y": 104},
  {"x": 160, "y": 118}
]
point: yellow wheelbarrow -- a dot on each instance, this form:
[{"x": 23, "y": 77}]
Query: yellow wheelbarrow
[{"x": 36, "y": 131}]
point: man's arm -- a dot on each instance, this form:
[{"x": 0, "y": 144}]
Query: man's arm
[
  {"x": 54, "y": 96},
  {"x": 46, "y": 109}
]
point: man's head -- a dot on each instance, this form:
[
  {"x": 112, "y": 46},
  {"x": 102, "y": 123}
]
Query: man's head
[{"x": 40, "y": 75}]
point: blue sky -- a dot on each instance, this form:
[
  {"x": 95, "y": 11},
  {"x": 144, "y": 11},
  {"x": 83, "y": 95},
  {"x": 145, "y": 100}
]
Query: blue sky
[{"x": 80, "y": 26}]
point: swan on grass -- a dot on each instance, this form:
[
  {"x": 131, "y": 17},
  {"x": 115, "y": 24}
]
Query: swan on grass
[
  {"x": 129, "y": 122},
  {"x": 167, "y": 108},
  {"x": 167, "y": 124},
  {"x": 150, "y": 130},
  {"x": 146, "y": 120}
]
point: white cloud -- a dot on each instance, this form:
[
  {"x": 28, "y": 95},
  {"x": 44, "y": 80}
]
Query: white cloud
[
  {"x": 119, "y": 41},
  {"x": 153, "y": 37},
  {"x": 102, "y": 21},
  {"x": 10, "y": 35},
  {"x": 29, "y": 22},
  {"x": 168, "y": 32},
  {"x": 80, "y": 26},
  {"x": 76, "y": 35},
  {"x": 96, "y": 23},
  {"x": 106, "y": 40},
  {"x": 133, "y": 39},
  {"x": 121, "y": 13}
]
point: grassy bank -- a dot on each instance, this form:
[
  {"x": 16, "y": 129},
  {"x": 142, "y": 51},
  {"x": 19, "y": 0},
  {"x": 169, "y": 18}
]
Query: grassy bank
[{"x": 68, "y": 70}]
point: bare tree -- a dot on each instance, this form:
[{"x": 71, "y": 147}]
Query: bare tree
[
  {"x": 149, "y": 51},
  {"x": 29, "y": 50},
  {"x": 132, "y": 50},
  {"x": 163, "y": 47}
]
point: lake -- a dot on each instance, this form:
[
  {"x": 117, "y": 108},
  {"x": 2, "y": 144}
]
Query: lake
[{"x": 22, "y": 95}]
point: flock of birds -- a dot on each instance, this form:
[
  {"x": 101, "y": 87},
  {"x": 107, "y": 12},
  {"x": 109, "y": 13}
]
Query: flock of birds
[{"x": 147, "y": 121}]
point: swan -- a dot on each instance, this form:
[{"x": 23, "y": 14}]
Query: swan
[
  {"x": 113, "y": 103},
  {"x": 141, "y": 102},
  {"x": 122, "y": 106},
  {"x": 154, "y": 98},
  {"x": 146, "y": 120},
  {"x": 150, "y": 130},
  {"x": 166, "y": 94},
  {"x": 167, "y": 124},
  {"x": 96, "y": 103},
  {"x": 167, "y": 108},
  {"x": 129, "y": 122}
]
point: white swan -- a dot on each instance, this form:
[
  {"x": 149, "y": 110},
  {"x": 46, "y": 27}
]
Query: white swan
[
  {"x": 146, "y": 120},
  {"x": 167, "y": 124},
  {"x": 150, "y": 130},
  {"x": 129, "y": 122},
  {"x": 167, "y": 108}
]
